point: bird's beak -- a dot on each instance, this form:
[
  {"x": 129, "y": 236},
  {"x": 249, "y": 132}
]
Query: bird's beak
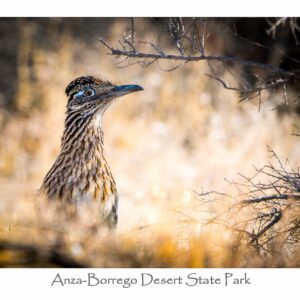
[{"x": 121, "y": 90}]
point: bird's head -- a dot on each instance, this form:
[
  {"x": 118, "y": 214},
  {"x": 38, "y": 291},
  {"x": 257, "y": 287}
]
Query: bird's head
[{"x": 91, "y": 95}]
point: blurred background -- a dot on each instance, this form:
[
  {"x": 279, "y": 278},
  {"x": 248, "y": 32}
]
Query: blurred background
[{"x": 184, "y": 134}]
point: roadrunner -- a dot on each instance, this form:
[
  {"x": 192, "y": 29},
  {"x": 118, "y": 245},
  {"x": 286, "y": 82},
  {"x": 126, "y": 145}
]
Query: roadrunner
[{"x": 80, "y": 173}]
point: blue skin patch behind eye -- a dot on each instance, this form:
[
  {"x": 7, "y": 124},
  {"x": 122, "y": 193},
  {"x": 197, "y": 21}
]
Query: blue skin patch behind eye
[{"x": 79, "y": 94}]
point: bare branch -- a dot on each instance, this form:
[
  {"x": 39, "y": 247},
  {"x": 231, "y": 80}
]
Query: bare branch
[
  {"x": 188, "y": 58},
  {"x": 267, "y": 201},
  {"x": 275, "y": 25},
  {"x": 188, "y": 38}
]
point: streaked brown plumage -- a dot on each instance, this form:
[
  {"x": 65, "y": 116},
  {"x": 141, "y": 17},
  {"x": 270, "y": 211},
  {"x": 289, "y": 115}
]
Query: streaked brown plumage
[{"x": 80, "y": 173}]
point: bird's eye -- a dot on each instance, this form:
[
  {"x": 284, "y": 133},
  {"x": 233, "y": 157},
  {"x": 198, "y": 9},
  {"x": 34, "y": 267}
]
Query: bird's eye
[{"x": 89, "y": 92}]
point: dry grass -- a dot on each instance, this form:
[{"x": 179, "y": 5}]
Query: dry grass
[{"x": 182, "y": 134}]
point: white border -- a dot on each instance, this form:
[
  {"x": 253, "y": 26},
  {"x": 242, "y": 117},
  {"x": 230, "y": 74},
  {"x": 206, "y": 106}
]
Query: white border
[
  {"x": 122, "y": 8},
  {"x": 36, "y": 284}
]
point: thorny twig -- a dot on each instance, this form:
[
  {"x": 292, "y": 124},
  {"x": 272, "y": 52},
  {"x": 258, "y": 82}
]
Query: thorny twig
[
  {"x": 271, "y": 200},
  {"x": 293, "y": 25},
  {"x": 189, "y": 39}
]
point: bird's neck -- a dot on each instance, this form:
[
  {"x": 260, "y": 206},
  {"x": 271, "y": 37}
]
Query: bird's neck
[
  {"x": 78, "y": 170},
  {"x": 82, "y": 131},
  {"x": 81, "y": 151}
]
